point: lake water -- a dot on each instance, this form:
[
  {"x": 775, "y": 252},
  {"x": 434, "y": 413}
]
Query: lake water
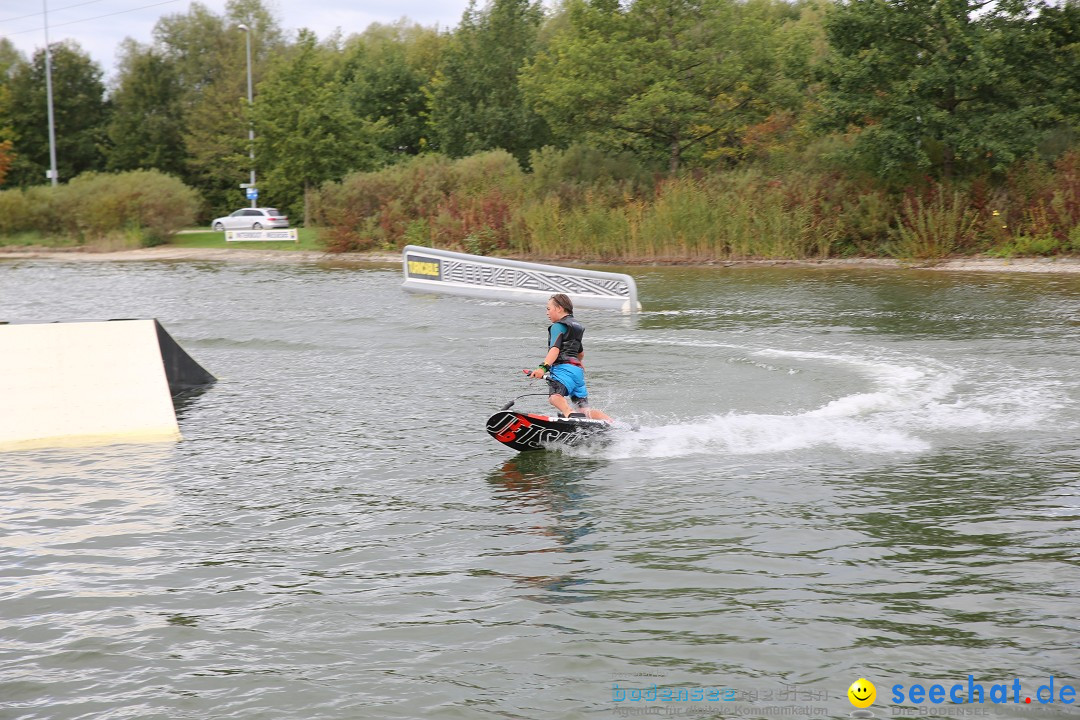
[{"x": 838, "y": 474}]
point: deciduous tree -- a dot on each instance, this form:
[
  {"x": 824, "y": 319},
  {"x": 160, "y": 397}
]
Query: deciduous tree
[
  {"x": 9, "y": 58},
  {"x": 476, "y": 99},
  {"x": 1054, "y": 70},
  {"x": 934, "y": 85},
  {"x": 146, "y": 130},
  {"x": 306, "y": 132},
  {"x": 80, "y": 113},
  {"x": 383, "y": 76},
  {"x": 208, "y": 52},
  {"x": 665, "y": 78}
]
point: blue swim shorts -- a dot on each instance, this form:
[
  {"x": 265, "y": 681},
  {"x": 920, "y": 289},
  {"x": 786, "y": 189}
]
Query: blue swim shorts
[{"x": 568, "y": 380}]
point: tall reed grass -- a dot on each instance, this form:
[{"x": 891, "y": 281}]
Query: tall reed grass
[
  {"x": 580, "y": 204},
  {"x": 934, "y": 227}
]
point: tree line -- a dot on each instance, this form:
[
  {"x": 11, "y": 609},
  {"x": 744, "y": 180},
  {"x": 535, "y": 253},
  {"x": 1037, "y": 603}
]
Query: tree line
[{"x": 888, "y": 94}]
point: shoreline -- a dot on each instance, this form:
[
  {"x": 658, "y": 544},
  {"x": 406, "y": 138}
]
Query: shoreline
[{"x": 1066, "y": 265}]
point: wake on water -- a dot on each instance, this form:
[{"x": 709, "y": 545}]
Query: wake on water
[{"x": 911, "y": 401}]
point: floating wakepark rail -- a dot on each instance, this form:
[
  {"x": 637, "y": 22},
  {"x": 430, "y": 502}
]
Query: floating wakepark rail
[
  {"x": 91, "y": 383},
  {"x": 442, "y": 271}
]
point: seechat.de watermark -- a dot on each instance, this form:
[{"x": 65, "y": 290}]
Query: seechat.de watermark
[
  {"x": 982, "y": 692},
  {"x": 973, "y": 698}
]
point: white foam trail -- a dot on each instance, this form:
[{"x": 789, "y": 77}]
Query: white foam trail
[
  {"x": 760, "y": 434},
  {"x": 912, "y": 401},
  {"x": 896, "y": 387}
]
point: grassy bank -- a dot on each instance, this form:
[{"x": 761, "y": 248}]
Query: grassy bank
[
  {"x": 308, "y": 240},
  {"x": 33, "y": 238}
]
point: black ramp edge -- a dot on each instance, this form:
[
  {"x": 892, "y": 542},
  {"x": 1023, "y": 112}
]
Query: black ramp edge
[{"x": 182, "y": 372}]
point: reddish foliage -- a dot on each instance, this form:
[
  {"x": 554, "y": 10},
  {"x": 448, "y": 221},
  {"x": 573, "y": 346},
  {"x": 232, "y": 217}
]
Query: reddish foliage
[
  {"x": 484, "y": 218},
  {"x": 7, "y": 156},
  {"x": 1067, "y": 184},
  {"x": 757, "y": 139},
  {"x": 1043, "y": 202}
]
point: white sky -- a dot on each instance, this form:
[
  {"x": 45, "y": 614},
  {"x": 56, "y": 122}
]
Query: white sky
[{"x": 101, "y": 36}]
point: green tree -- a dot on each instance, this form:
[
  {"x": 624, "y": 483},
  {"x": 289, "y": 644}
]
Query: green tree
[
  {"x": 9, "y": 58},
  {"x": 383, "y": 76},
  {"x": 80, "y": 113},
  {"x": 670, "y": 79},
  {"x": 933, "y": 85},
  {"x": 208, "y": 52},
  {"x": 306, "y": 133},
  {"x": 146, "y": 130},
  {"x": 476, "y": 100},
  {"x": 203, "y": 48},
  {"x": 1054, "y": 72},
  {"x": 216, "y": 139}
]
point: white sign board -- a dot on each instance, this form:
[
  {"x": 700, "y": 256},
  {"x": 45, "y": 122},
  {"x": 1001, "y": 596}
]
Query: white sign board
[{"x": 289, "y": 235}]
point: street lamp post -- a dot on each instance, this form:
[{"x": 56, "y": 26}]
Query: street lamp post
[
  {"x": 251, "y": 102},
  {"x": 48, "y": 93}
]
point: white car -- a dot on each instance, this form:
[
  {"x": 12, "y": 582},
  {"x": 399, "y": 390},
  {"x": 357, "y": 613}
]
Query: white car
[{"x": 251, "y": 219}]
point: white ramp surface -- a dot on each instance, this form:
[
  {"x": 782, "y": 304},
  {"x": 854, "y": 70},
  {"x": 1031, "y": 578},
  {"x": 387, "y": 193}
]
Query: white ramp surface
[{"x": 70, "y": 384}]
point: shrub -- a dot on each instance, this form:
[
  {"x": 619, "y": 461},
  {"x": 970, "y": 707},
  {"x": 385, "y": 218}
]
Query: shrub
[
  {"x": 481, "y": 173},
  {"x": 143, "y": 204},
  {"x": 863, "y": 221},
  {"x": 1044, "y": 201},
  {"x": 571, "y": 173},
  {"x": 1026, "y": 246},
  {"x": 366, "y": 209},
  {"x": 144, "y": 207},
  {"x": 14, "y": 212},
  {"x": 37, "y": 209},
  {"x": 429, "y": 197}
]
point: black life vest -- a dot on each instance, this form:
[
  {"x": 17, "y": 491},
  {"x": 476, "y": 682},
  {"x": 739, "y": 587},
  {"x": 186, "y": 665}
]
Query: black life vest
[{"x": 571, "y": 342}]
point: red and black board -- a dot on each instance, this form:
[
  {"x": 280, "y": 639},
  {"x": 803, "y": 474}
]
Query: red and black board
[{"x": 525, "y": 431}]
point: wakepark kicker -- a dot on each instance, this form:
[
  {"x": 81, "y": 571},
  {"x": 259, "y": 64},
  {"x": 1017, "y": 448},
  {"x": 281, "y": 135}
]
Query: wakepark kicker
[{"x": 68, "y": 384}]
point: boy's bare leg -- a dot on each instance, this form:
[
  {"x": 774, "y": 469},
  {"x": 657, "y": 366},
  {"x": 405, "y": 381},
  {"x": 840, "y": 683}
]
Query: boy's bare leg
[
  {"x": 560, "y": 404},
  {"x": 597, "y": 414}
]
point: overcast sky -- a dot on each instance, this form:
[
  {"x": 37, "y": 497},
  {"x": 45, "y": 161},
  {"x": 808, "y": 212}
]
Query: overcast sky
[{"x": 99, "y": 25}]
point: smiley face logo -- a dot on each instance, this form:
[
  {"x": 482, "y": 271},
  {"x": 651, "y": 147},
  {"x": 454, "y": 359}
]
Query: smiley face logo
[{"x": 862, "y": 693}]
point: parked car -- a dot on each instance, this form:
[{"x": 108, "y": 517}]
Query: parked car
[{"x": 251, "y": 219}]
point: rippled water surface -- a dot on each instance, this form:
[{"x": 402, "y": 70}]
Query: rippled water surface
[{"x": 838, "y": 474}]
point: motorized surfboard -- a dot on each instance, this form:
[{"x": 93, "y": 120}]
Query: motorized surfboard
[{"x": 526, "y": 431}]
